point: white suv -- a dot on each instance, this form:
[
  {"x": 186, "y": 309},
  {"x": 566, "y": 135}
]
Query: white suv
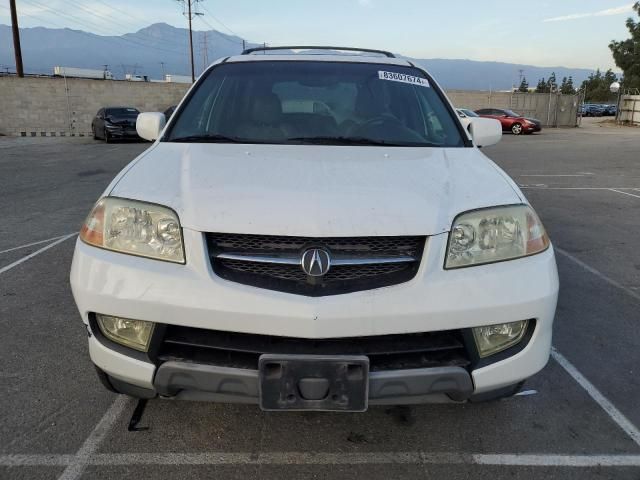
[{"x": 315, "y": 231}]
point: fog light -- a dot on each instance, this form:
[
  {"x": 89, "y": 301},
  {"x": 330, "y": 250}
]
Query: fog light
[
  {"x": 495, "y": 338},
  {"x": 135, "y": 334}
]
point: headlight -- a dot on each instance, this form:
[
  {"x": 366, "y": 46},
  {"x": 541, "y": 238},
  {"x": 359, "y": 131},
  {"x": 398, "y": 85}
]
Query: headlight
[
  {"x": 133, "y": 227},
  {"x": 493, "y": 235},
  {"x": 495, "y": 338},
  {"x": 135, "y": 334}
]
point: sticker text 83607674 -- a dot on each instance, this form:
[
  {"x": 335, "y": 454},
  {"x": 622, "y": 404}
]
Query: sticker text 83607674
[{"x": 403, "y": 78}]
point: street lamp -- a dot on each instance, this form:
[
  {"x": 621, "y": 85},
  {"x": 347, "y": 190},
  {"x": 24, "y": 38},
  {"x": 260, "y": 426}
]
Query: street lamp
[{"x": 615, "y": 88}]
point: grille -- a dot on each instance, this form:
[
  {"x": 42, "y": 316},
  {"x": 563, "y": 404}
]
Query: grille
[
  {"x": 385, "y": 352},
  {"x": 261, "y": 243},
  {"x": 361, "y": 263}
]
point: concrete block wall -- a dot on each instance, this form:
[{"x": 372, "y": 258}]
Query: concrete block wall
[
  {"x": 41, "y": 106},
  {"x": 551, "y": 110},
  {"x": 630, "y": 109},
  {"x": 475, "y": 100},
  {"x": 55, "y": 107}
]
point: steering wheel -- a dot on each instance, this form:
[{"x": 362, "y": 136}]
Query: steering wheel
[
  {"x": 379, "y": 120},
  {"x": 388, "y": 127}
]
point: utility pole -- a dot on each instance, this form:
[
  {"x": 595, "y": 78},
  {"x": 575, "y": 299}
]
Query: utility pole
[
  {"x": 16, "y": 38},
  {"x": 163, "y": 74},
  {"x": 205, "y": 53},
  {"x": 193, "y": 71},
  {"x": 190, "y": 11},
  {"x": 243, "y": 45}
]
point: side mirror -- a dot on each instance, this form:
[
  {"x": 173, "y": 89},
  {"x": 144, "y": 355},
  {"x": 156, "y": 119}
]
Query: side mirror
[
  {"x": 149, "y": 125},
  {"x": 485, "y": 131}
]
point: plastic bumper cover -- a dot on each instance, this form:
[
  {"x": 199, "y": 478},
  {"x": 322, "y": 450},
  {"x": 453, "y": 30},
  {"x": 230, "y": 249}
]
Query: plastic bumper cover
[{"x": 188, "y": 381}]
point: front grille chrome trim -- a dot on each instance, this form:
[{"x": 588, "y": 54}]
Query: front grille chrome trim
[
  {"x": 259, "y": 258},
  {"x": 274, "y": 262},
  {"x": 289, "y": 260}
]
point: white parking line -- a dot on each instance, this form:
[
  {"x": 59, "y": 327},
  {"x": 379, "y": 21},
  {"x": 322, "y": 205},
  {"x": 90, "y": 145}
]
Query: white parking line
[
  {"x": 92, "y": 443},
  {"x": 595, "y": 272},
  {"x": 33, "y": 243},
  {"x": 625, "y": 193},
  {"x": 305, "y": 458},
  {"x": 560, "y": 460},
  {"x": 544, "y": 187},
  {"x": 606, "y": 405},
  {"x": 615, "y": 414},
  {"x": 37, "y": 252},
  {"x": 87, "y": 455}
]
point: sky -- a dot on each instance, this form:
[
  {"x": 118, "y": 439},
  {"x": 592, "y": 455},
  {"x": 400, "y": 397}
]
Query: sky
[{"x": 571, "y": 33}]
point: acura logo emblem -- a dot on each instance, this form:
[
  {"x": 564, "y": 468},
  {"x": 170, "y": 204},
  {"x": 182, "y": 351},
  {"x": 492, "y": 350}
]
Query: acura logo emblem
[{"x": 315, "y": 262}]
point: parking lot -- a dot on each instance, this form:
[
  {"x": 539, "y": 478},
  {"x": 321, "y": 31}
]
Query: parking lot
[{"x": 579, "y": 418}]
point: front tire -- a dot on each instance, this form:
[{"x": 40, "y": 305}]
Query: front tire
[
  {"x": 516, "y": 128},
  {"x": 106, "y": 136}
]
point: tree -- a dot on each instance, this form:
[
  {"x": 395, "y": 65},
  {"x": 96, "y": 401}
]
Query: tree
[
  {"x": 566, "y": 87},
  {"x": 596, "y": 86},
  {"x": 542, "y": 86},
  {"x": 626, "y": 53},
  {"x": 524, "y": 85}
]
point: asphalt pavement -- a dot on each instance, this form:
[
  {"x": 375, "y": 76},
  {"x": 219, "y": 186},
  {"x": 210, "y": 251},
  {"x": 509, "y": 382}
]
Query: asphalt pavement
[{"x": 578, "y": 418}]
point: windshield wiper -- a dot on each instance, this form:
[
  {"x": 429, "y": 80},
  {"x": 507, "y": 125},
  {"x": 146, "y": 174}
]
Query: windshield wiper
[
  {"x": 356, "y": 141},
  {"x": 208, "y": 138}
]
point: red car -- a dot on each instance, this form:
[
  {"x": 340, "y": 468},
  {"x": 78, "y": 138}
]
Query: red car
[{"x": 511, "y": 121}]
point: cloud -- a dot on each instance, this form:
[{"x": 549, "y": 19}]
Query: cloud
[{"x": 602, "y": 13}]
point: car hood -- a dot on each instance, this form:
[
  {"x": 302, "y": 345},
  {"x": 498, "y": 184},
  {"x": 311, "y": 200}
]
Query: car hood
[{"x": 315, "y": 190}]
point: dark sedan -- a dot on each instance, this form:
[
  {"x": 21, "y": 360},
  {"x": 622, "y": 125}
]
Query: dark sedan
[
  {"x": 511, "y": 121},
  {"x": 112, "y": 123},
  {"x": 168, "y": 113}
]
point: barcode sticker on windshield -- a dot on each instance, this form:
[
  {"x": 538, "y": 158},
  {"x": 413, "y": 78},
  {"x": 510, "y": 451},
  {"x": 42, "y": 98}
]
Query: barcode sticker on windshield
[{"x": 401, "y": 77}]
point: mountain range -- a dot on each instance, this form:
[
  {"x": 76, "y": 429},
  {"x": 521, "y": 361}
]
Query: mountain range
[{"x": 161, "y": 48}]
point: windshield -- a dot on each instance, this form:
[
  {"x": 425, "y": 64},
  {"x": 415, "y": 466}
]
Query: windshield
[
  {"x": 469, "y": 113},
  {"x": 122, "y": 112},
  {"x": 296, "y": 102},
  {"x": 511, "y": 113}
]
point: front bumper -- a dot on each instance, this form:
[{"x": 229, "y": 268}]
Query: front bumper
[
  {"x": 191, "y": 295},
  {"x": 188, "y": 381},
  {"x": 122, "y": 132}
]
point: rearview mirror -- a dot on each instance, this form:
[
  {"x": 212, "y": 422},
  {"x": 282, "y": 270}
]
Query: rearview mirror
[
  {"x": 149, "y": 125},
  {"x": 485, "y": 131}
]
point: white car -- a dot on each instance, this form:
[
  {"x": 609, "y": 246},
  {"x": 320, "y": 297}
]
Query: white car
[
  {"x": 328, "y": 259},
  {"x": 465, "y": 115}
]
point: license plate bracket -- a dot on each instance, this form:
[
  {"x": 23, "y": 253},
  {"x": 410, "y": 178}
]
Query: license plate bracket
[{"x": 314, "y": 382}]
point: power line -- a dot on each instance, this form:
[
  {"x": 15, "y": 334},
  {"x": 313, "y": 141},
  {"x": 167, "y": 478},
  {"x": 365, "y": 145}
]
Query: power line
[
  {"x": 105, "y": 36},
  {"x": 129, "y": 14},
  {"x": 168, "y": 43},
  {"x": 57, "y": 25},
  {"x": 218, "y": 20},
  {"x": 222, "y": 35}
]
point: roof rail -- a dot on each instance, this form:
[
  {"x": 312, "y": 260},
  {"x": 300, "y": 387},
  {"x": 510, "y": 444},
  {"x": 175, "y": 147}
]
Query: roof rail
[{"x": 316, "y": 47}]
